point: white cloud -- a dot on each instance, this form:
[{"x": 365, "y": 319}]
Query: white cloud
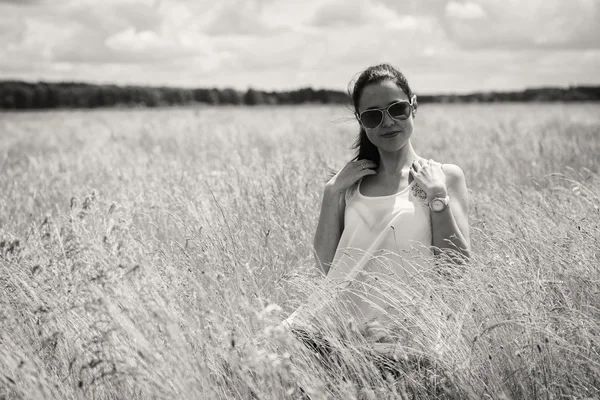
[
  {"x": 405, "y": 22},
  {"x": 441, "y": 45},
  {"x": 130, "y": 40},
  {"x": 527, "y": 24},
  {"x": 238, "y": 19},
  {"x": 12, "y": 30},
  {"x": 352, "y": 14},
  {"x": 464, "y": 10},
  {"x": 429, "y": 8}
]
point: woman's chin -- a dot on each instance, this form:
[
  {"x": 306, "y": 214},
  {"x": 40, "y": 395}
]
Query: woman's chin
[{"x": 393, "y": 147}]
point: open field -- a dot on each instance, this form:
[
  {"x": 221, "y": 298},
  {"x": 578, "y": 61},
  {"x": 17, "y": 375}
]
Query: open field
[{"x": 150, "y": 254}]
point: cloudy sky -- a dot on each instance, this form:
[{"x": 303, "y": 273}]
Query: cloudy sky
[{"x": 441, "y": 45}]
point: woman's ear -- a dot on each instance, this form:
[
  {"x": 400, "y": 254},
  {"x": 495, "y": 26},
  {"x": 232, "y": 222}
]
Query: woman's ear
[
  {"x": 358, "y": 120},
  {"x": 415, "y": 104}
]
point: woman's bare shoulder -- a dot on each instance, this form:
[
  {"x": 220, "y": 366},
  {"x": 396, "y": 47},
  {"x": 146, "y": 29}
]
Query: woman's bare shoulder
[
  {"x": 454, "y": 173},
  {"x": 456, "y": 183}
]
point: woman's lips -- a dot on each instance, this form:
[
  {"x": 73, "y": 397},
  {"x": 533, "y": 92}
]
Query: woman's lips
[{"x": 390, "y": 134}]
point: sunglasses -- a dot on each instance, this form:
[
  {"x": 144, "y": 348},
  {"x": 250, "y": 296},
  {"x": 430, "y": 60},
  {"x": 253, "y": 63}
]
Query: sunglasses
[{"x": 398, "y": 111}]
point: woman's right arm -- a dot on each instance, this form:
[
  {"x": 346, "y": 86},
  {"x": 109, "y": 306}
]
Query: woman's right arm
[
  {"x": 333, "y": 205},
  {"x": 329, "y": 228}
]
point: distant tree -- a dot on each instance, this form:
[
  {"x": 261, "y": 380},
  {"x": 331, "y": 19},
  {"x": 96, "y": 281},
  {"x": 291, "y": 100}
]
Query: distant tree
[
  {"x": 188, "y": 96},
  {"x": 107, "y": 96},
  {"x": 65, "y": 97},
  {"x": 230, "y": 96},
  {"x": 23, "y": 97},
  {"x": 137, "y": 96},
  {"x": 213, "y": 96},
  {"x": 40, "y": 96},
  {"x": 148, "y": 97},
  {"x": 270, "y": 98},
  {"x": 305, "y": 95},
  {"x": 208, "y": 96},
  {"x": 53, "y": 99},
  {"x": 283, "y": 97},
  {"x": 200, "y": 95},
  {"x": 7, "y": 95},
  {"x": 589, "y": 92},
  {"x": 253, "y": 97}
]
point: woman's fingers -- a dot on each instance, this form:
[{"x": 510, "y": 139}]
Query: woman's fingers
[
  {"x": 368, "y": 172},
  {"x": 421, "y": 165},
  {"x": 416, "y": 167},
  {"x": 364, "y": 172},
  {"x": 363, "y": 164},
  {"x": 350, "y": 174},
  {"x": 365, "y": 167}
]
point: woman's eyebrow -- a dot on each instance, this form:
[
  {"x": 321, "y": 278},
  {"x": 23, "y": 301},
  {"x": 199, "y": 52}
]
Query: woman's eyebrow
[{"x": 379, "y": 108}]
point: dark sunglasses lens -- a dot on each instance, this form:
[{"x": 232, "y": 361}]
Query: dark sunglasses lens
[
  {"x": 371, "y": 119},
  {"x": 400, "y": 110}
]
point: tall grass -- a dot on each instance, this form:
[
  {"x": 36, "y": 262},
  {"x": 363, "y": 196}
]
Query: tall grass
[{"x": 152, "y": 254}]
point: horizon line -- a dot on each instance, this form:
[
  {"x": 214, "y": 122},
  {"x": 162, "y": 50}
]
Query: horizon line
[{"x": 91, "y": 83}]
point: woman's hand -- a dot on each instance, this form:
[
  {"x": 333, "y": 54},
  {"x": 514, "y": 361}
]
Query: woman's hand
[
  {"x": 374, "y": 331},
  {"x": 350, "y": 174},
  {"x": 378, "y": 338},
  {"x": 430, "y": 177}
]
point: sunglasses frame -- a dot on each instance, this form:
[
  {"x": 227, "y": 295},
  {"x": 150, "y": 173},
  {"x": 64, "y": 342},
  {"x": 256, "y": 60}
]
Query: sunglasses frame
[{"x": 387, "y": 110}]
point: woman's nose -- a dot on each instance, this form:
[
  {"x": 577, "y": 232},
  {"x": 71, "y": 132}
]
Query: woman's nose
[{"x": 387, "y": 120}]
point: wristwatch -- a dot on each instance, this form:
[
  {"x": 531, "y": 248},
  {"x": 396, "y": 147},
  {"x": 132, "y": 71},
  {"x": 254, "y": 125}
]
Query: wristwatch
[{"x": 438, "y": 204}]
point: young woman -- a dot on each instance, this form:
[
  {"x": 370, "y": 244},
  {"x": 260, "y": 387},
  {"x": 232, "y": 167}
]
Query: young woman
[{"x": 387, "y": 203}]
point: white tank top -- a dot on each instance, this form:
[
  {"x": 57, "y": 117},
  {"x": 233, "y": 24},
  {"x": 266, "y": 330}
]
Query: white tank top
[{"x": 382, "y": 235}]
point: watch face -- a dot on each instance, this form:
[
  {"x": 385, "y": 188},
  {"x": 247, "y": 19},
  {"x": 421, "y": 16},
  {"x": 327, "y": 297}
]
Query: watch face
[{"x": 437, "y": 205}]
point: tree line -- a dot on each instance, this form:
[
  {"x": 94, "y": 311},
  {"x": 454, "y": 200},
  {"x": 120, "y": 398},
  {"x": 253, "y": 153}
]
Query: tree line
[{"x": 43, "y": 95}]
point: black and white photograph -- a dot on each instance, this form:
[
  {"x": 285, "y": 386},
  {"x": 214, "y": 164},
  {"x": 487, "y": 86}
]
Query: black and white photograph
[{"x": 300, "y": 199}]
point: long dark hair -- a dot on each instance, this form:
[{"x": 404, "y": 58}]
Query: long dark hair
[{"x": 374, "y": 74}]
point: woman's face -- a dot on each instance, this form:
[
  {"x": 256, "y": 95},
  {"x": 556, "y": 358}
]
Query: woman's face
[{"x": 391, "y": 135}]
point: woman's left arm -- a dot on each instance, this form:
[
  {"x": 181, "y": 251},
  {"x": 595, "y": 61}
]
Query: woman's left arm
[{"x": 450, "y": 227}]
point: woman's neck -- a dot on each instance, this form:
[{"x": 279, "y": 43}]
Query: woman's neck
[{"x": 392, "y": 163}]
